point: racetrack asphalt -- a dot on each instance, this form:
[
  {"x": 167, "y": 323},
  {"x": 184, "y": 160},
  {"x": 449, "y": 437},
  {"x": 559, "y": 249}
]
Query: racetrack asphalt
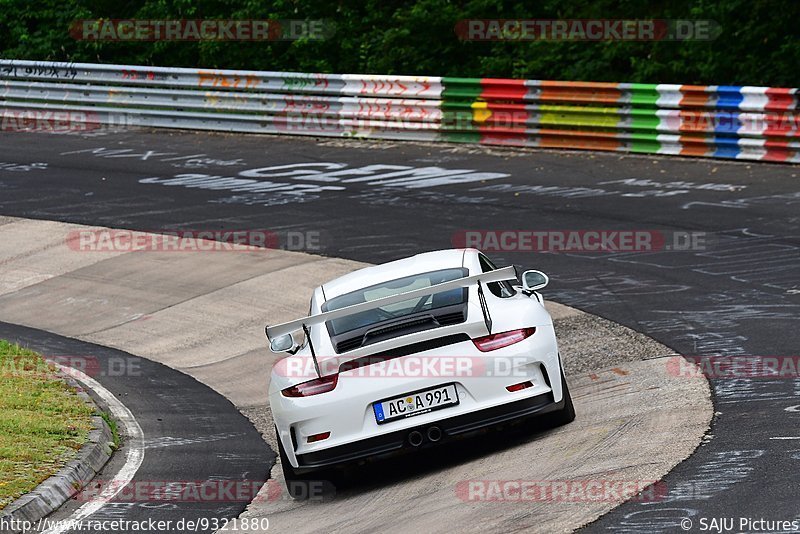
[
  {"x": 203, "y": 313},
  {"x": 735, "y": 294},
  {"x": 189, "y": 433}
]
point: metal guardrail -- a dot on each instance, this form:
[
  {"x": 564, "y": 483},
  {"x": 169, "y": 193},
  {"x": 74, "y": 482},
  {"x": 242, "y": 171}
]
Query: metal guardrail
[{"x": 753, "y": 123}]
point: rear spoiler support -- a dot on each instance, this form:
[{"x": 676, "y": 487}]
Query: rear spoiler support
[
  {"x": 307, "y": 332},
  {"x": 487, "y": 319}
]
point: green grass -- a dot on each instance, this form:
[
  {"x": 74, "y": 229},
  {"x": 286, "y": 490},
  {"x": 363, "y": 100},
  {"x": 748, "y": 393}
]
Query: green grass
[
  {"x": 112, "y": 425},
  {"x": 42, "y": 422}
]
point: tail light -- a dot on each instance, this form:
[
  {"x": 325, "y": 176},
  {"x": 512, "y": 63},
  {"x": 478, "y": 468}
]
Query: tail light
[
  {"x": 312, "y": 387},
  {"x": 503, "y": 339}
]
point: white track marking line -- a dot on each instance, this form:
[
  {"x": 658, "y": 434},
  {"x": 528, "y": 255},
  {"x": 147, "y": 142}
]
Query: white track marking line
[
  {"x": 786, "y": 437},
  {"x": 134, "y": 454}
]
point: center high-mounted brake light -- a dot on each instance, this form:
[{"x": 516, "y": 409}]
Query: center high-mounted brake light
[
  {"x": 503, "y": 339},
  {"x": 312, "y": 387}
]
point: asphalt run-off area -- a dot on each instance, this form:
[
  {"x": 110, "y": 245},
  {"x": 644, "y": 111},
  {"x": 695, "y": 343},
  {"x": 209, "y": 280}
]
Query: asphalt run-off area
[{"x": 701, "y": 259}]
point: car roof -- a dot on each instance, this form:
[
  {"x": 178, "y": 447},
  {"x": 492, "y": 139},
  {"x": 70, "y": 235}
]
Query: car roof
[{"x": 421, "y": 263}]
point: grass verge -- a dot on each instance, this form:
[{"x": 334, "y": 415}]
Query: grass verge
[
  {"x": 42, "y": 422},
  {"x": 112, "y": 425}
]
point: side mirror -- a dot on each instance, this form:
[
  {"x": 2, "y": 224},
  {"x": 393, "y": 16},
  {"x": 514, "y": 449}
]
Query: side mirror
[
  {"x": 534, "y": 280},
  {"x": 284, "y": 343}
]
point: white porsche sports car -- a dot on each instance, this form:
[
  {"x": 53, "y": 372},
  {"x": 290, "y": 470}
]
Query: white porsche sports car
[{"x": 411, "y": 353}]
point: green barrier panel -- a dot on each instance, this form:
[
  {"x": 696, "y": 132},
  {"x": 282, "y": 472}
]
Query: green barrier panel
[
  {"x": 643, "y": 94},
  {"x": 461, "y": 88}
]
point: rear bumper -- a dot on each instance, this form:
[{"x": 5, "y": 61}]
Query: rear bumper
[
  {"x": 458, "y": 426},
  {"x": 347, "y": 411}
]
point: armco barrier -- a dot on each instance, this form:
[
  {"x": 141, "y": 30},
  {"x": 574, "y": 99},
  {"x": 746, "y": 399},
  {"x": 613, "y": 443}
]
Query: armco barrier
[{"x": 753, "y": 123}]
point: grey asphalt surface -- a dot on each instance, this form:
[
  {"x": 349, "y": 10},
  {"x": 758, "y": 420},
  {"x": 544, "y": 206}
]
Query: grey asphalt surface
[
  {"x": 203, "y": 313},
  {"x": 735, "y": 295},
  {"x": 193, "y": 436}
]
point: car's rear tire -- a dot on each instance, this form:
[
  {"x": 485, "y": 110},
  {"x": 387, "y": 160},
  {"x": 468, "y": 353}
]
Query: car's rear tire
[
  {"x": 301, "y": 486},
  {"x": 566, "y": 414}
]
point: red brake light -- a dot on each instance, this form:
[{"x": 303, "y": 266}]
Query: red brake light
[
  {"x": 312, "y": 387},
  {"x": 503, "y": 339}
]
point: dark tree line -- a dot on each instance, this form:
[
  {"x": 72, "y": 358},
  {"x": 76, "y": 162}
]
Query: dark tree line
[{"x": 758, "y": 44}]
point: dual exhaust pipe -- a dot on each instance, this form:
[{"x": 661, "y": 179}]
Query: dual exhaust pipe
[{"x": 415, "y": 437}]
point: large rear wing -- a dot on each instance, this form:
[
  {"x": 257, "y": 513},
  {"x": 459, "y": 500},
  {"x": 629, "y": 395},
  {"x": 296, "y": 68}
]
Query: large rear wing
[{"x": 506, "y": 273}]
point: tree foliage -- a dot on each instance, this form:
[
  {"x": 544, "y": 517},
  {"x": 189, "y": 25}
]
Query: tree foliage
[{"x": 758, "y": 45}]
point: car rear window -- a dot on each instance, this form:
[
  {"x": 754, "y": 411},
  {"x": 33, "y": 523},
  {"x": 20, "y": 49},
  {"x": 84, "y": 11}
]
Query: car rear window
[{"x": 398, "y": 309}]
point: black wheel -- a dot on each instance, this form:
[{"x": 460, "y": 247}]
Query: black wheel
[
  {"x": 303, "y": 486},
  {"x": 296, "y": 484},
  {"x": 567, "y": 413}
]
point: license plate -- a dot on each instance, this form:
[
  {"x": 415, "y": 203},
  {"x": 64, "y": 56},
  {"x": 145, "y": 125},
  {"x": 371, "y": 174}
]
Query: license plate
[{"x": 417, "y": 403}]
